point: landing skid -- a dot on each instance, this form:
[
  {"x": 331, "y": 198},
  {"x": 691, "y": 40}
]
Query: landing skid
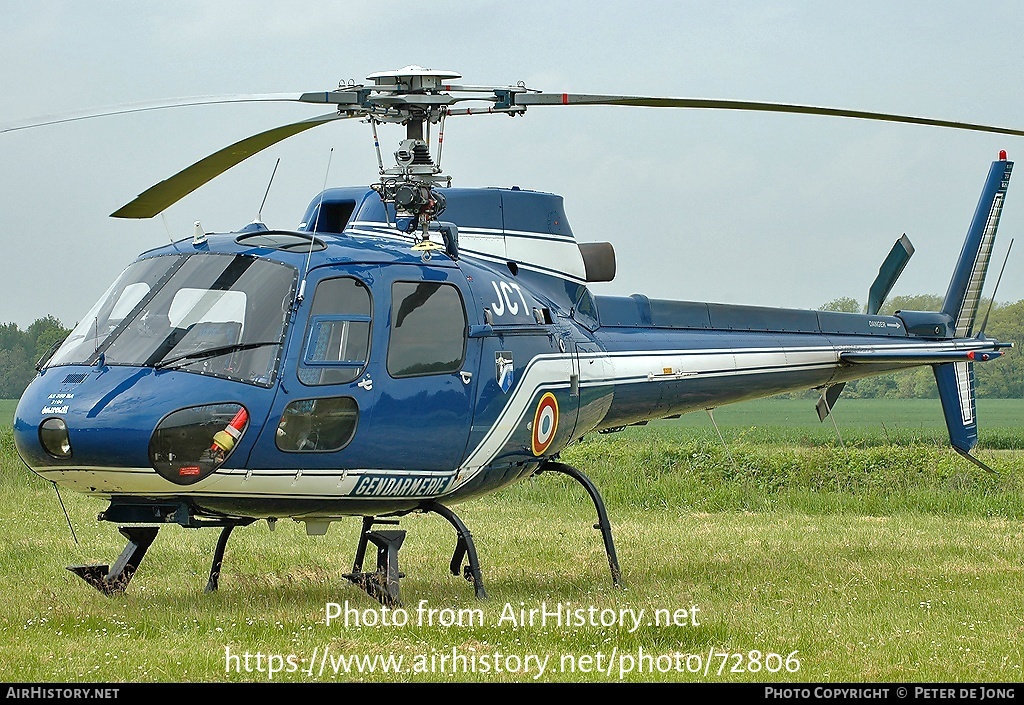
[
  {"x": 112, "y": 580},
  {"x": 383, "y": 583}
]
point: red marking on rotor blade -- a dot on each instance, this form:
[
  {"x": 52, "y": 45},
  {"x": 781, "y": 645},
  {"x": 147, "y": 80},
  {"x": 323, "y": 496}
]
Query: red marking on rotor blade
[{"x": 565, "y": 99}]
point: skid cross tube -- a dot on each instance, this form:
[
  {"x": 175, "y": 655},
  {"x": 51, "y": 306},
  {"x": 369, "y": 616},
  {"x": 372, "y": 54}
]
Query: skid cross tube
[
  {"x": 602, "y": 516},
  {"x": 464, "y": 548},
  {"x": 218, "y": 558},
  {"x": 383, "y": 584}
]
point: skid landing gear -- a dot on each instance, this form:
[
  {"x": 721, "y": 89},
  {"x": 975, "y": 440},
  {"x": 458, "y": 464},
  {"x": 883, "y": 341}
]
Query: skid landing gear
[
  {"x": 602, "y": 516},
  {"x": 383, "y": 583},
  {"x": 113, "y": 580}
]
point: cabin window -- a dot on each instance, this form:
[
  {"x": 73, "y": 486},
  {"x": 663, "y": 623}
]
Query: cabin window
[
  {"x": 317, "y": 425},
  {"x": 428, "y": 329},
  {"x": 338, "y": 336}
]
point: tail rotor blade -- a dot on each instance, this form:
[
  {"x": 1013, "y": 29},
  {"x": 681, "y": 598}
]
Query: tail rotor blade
[{"x": 888, "y": 273}]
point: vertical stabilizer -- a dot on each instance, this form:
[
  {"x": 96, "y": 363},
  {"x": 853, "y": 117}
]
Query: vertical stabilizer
[
  {"x": 964, "y": 293},
  {"x": 956, "y": 379},
  {"x": 956, "y": 390}
]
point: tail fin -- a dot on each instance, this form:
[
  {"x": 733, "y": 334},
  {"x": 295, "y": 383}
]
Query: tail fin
[
  {"x": 956, "y": 390},
  {"x": 964, "y": 293},
  {"x": 956, "y": 379}
]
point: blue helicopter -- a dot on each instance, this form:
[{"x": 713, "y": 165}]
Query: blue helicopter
[{"x": 411, "y": 346}]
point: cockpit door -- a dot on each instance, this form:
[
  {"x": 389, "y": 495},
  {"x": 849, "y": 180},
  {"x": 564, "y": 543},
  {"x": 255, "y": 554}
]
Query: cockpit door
[
  {"x": 425, "y": 368},
  {"x": 326, "y": 395},
  {"x": 380, "y": 373}
]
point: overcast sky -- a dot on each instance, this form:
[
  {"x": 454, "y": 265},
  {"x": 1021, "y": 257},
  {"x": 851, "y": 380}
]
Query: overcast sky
[{"x": 756, "y": 208}]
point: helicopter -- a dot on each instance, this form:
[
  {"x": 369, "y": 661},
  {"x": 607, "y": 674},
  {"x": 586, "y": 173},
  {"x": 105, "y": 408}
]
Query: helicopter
[{"x": 412, "y": 345}]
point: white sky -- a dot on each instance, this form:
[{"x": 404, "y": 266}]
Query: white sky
[{"x": 775, "y": 210}]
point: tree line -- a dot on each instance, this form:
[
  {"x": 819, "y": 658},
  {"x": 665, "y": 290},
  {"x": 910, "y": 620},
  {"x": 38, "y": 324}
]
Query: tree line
[{"x": 21, "y": 350}]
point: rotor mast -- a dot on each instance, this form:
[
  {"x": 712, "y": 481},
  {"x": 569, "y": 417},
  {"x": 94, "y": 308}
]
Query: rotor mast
[{"x": 413, "y": 96}]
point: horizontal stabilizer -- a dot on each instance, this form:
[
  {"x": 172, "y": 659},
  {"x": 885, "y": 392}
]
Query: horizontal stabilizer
[{"x": 918, "y": 357}]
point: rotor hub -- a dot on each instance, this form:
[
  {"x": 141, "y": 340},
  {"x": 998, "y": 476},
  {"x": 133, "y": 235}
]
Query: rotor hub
[{"x": 413, "y": 78}]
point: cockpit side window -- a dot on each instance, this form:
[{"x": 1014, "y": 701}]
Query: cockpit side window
[
  {"x": 428, "y": 329},
  {"x": 337, "y": 341}
]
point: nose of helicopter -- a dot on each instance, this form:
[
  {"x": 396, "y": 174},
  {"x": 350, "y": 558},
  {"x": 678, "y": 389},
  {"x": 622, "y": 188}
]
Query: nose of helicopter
[{"x": 122, "y": 429}]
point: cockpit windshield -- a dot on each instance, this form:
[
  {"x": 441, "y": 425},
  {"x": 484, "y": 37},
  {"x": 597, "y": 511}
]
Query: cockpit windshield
[{"x": 216, "y": 314}]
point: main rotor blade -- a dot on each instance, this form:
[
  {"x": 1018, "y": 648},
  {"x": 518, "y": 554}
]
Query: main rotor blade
[
  {"x": 169, "y": 191},
  {"x": 128, "y": 108},
  {"x": 527, "y": 99}
]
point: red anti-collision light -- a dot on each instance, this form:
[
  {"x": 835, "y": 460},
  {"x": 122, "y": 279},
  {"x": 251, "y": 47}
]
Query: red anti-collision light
[
  {"x": 970, "y": 355},
  {"x": 1002, "y": 155}
]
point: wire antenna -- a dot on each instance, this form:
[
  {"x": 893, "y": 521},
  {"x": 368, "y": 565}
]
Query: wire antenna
[
  {"x": 316, "y": 222},
  {"x": 163, "y": 217},
  {"x": 259, "y": 214},
  {"x": 66, "y": 516},
  {"x": 984, "y": 323},
  {"x": 836, "y": 427},
  {"x": 728, "y": 452}
]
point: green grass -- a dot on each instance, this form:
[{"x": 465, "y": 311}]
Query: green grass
[
  {"x": 7, "y": 407},
  {"x": 859, "y": 422},
  {"x": 864, "y": 562}
]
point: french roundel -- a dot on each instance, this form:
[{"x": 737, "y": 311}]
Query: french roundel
[{"x": 545, "y": 423}]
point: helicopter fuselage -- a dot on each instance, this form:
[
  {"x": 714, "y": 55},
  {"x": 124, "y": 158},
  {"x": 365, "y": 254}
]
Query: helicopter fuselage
[{"x": 339, "y": 370}]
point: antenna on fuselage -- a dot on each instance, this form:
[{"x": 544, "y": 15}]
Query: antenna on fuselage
[
  {"x": 259, "y": 213},
  {"x": 312, "y": 238},
  {"x": 66, "y": 516},
  {"x": 829, "y": 396},
  {"x": 728, "y": 452},
  {"x": 167, "y": 227}
]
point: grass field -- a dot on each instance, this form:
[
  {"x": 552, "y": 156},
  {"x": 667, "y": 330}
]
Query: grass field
[{"x": 782, "y": 556}]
